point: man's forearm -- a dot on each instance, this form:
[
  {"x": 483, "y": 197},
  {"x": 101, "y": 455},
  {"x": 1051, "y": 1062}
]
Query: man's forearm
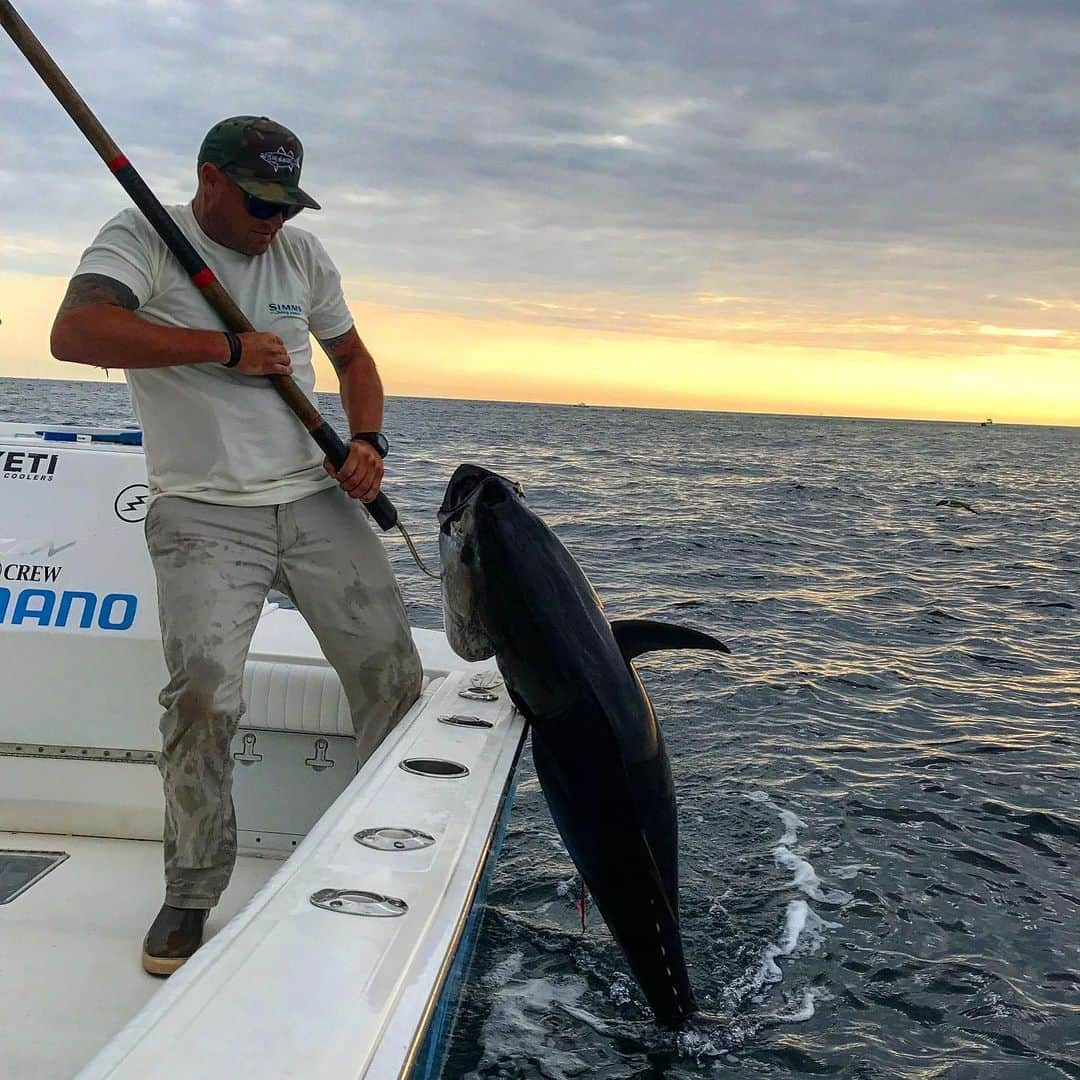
[
  {"x": 362, "y": 396},
  {"x": 97, "y": 325},
  {"x": 361, "y": 387},
  {"x": 108, "y": 336}
]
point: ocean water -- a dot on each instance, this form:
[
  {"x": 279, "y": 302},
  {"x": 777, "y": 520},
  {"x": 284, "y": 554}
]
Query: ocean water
[{"x": 878, "y": 790}]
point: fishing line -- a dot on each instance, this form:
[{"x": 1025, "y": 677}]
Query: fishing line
[{"x": 416, "y": 554}]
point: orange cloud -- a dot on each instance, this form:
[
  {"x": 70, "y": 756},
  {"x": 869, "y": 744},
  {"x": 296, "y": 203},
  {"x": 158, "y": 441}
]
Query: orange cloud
[
  {"x": 759, "y": 360},
  {"x": 1014, "y": 378}
]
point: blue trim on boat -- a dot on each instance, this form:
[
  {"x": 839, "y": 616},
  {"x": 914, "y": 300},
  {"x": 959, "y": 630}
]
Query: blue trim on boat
[
  {"x": 432, "y": 1056},
  {"x": 124, "y": 438}
]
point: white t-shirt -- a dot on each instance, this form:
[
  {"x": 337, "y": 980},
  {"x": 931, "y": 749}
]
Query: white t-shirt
[{"x": 209, "y": 433}]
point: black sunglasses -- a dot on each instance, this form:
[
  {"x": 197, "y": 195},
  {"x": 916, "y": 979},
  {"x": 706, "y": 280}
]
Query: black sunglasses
[{"x": 263, "y": 210}]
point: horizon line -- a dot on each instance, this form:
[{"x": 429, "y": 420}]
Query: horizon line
[{"x": 653, "y": 408}]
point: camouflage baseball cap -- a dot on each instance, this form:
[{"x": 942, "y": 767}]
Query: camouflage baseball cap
[{"x": 263, "y": 157}]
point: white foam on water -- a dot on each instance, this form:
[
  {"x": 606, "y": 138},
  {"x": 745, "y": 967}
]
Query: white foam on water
[
  {"x": 797, "y": 918},
  {"x": 700, "y": 1045},
  {"x": 792, "y": 825},
  {"x": 806, "y": 879},
  {"x": 569, "y": 886},
  {"x": 792, "y": 822},
  {"x": 803, "y": 929},
  {"x": 801, "y": 1014},
  {"x": 716, "y": 906},
  {"x": 806, "y": 1007},
  {"x": 585, "y": 1017},
  {"x": 521, "y": 1016},
  {"x": 802, "y": 925},
  {"x": 769, "y": 970},
  {"x": 504, "y": 970},
  {"x": 620, "y": 988}
]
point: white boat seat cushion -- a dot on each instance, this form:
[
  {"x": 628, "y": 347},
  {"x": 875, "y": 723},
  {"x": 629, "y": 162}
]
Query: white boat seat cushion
[{"x": 305, "y": 698}]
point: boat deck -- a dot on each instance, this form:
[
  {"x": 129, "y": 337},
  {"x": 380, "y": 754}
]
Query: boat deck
[
  {"x": 356, "y": 940},
  {"x": 74, "y": 939}
]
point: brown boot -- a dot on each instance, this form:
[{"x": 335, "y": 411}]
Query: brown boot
[{"x": 173, "y": 936}]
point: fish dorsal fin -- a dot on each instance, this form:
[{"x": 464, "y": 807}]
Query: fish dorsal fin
[{"x": 637, "y": 636}]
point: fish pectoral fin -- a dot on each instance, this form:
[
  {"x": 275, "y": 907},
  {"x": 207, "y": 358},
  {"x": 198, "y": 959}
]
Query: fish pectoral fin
[{"x": 637, "y": 636}]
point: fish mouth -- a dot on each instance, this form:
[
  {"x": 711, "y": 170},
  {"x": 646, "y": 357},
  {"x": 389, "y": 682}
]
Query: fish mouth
[
  {"x": 472, "y": 495},
  {"x": 470, "y": 487}
]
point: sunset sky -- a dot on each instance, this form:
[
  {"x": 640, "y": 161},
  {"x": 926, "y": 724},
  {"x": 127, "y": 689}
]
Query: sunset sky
[{"x": 812, "y": 206}]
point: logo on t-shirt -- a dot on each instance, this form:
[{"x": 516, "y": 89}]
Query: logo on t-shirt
[{"x": 294, "y": 310}]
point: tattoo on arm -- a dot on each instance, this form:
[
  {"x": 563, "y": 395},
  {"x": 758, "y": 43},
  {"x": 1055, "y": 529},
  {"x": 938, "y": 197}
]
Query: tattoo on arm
[
  {"x": 87, "y": 289},
  {"x": 341, "y": 349}
]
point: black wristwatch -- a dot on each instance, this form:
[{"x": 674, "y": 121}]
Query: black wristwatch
[{"x": 376, "y": 439}]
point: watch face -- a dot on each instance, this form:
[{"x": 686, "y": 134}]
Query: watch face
[{"x": 376, "y": 439}]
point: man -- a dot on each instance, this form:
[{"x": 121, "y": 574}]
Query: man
[{"x": 240, "y": 501}]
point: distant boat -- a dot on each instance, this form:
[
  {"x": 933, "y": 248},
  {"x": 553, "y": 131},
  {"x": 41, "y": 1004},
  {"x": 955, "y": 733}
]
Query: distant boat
[{"x": 986, "y": 423}]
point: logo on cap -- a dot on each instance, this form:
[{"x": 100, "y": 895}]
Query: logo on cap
[{"x": 281, "y": 159}]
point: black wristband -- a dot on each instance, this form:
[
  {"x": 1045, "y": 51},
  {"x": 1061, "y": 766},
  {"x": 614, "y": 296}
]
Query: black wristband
[
  {"x": 235, "y": 348},
  {"x": 373, "y": 438}
]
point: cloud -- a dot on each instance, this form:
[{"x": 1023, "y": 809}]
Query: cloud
[{"x": 861, "y": 156}]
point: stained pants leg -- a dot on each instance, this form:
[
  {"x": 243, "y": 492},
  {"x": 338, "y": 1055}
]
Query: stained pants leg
[
  {"x": 336, "y": 570},
  {"x": 214, "y": 565}
]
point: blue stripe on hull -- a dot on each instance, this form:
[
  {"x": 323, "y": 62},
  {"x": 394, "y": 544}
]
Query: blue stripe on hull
[{"x": 432, "y": 1056}]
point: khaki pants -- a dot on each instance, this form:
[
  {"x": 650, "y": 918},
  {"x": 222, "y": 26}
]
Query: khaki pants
[{"x": 214, "y": 566}]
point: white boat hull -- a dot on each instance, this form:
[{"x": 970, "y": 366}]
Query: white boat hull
[{"x": 283, "y": 987}]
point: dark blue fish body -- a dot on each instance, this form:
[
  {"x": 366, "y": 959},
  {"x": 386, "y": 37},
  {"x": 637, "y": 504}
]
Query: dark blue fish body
[{"x": 511, "y": 589}]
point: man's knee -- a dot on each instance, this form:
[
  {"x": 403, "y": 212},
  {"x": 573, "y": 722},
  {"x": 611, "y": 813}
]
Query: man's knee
[
  {"x": 202, "y": 706},
  {"x": 383, "y": 690}
]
